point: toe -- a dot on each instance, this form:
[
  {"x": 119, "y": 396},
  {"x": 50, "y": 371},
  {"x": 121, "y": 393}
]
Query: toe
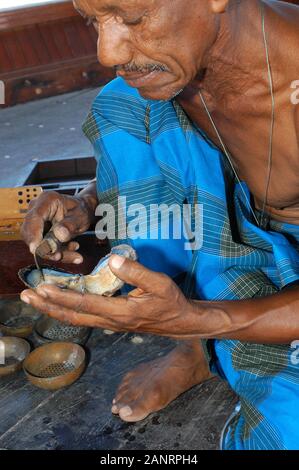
[
  {"x": 125, "y": 395},
  {"x": 125, "y": 412},
  {"x": 126, "y": 381},
  {"x": 115, "y": 409},
  {"x": 123, "y": 388},
  {"x": 120, "y": 401},
  {"x": 132, "y": 414}
]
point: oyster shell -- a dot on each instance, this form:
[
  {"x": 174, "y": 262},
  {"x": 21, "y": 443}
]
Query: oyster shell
[{"x": 100, "y": 281}]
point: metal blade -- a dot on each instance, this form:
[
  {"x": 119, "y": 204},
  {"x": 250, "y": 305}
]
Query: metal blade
[{"x": 37, "y": 264}]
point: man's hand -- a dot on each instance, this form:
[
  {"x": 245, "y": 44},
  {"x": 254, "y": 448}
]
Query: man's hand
[
  {"x": 69, "y": 216},
  {"x": 156, "y": 306}
]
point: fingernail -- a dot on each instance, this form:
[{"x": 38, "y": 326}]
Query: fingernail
[
  {"x": 126, "y": 411},
  {"x": 77, "y": 261},
  {"x": 25, "y": 299},
  {"x": 117, "y": 261},
  {"x": 113, "y": 401},
  {"x": 32, "y": 247},
  {"x": 114, "y": 409}
]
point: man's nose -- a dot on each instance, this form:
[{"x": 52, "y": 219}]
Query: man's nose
[{"x": 114, "y": 46}]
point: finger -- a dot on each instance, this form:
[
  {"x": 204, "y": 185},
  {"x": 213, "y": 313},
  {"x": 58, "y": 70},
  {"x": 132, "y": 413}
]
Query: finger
[
  {"x": 32, "y": 231},
  {"x": 64, "y": 314},
  {"x": 43, "y": 209},
  {"x": 71, "y": 257},
  {"x": 137, "y": 275},
  {"x": 136, "y": 293},
  {"x": 55, "y": 257},
  {"x": 73, "y": 246},
  {"x": 93, "y": 304},
  {"x": 65, "y": 256}
]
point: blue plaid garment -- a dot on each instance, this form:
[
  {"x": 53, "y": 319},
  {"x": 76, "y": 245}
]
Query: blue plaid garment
[{"x": 149, "y": 152}]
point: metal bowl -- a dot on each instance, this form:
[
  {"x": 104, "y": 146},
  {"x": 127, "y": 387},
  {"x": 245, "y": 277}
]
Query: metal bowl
[
  {"x": 13, "y": 351},
  {"x": 17, "y": 318},
  {"x": 47, "y": 330},
  {"x": 55, "y": 365}
]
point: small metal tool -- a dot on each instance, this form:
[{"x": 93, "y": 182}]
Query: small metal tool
[
  {"x": 35, "y": 255},
  {"x": 48, "y": 246}
]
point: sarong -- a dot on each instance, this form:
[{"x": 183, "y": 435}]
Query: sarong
[{"x": 149, "y": 153}]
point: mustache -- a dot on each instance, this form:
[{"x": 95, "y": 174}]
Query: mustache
[{"x": 146, "y": 68}]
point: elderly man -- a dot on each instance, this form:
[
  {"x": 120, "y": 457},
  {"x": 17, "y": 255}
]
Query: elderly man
[{"x": 205, "y": 111}]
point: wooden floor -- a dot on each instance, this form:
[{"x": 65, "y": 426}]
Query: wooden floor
[{"x": 79, "y": 417}]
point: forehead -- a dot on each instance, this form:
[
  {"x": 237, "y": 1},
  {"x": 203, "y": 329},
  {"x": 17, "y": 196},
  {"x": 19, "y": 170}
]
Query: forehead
[{"x": 110, "y": 5}]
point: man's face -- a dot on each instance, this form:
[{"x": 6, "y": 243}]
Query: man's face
[{"x": 157, "y": 46}]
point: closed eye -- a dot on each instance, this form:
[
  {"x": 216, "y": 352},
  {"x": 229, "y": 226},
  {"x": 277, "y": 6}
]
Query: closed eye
[{"x": 134, "y": 22}]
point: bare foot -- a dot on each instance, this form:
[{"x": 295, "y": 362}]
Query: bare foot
[{"x": 152, "y": 386}]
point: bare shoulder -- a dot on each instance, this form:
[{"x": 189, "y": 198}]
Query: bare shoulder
[
  {"x": 289, "y": 11},
  {"x": 285, "y": 27},
  {"x": 285, "y": 19}
]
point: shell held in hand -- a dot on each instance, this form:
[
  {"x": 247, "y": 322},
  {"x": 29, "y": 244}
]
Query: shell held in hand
[{"x": 100, "y": 281}]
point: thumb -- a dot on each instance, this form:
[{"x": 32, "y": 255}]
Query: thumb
[{"x": 135, "y": 274}]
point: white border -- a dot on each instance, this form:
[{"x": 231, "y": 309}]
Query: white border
[{"x": 11, "y": 5}]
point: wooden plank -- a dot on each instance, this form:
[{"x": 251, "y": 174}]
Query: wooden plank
[
  {"x": 36, "y": 41},
  {"x": 49, "y": 55},
  {"x": 14, "y": 51},
  {"x": 21, "y": 17},
  {"x": 79, "y": 417},
  {"x": 93, "y": 33},
  {"x": 30, "y": 54},
  {"x": 60, "y": 40},
  {"x": 47, "y": 35},
  {"x": 86, "y": 37},
  {"x": 55, "y": 79},
  {"x": 48, "y": 43},
  {"x": 6, "y": 62},
  {"x": 73, "y": 39}
]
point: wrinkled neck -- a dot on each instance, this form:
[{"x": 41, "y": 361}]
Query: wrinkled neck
[{"x": 237, "y": 56}]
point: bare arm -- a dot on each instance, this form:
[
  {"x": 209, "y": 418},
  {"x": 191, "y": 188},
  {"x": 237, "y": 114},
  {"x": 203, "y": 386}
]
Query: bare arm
[{"x": 273, "y": 319}]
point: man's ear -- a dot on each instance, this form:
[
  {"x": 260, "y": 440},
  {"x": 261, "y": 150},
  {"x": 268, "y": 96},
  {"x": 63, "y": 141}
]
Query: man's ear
[{"x": 219, "y": 6}]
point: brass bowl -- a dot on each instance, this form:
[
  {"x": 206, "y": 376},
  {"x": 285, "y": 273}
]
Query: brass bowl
[
  {"x": 13, "y": 351},
  {"x": 17, "y": 318},
  {"x": 47, "y": 330},
  {"x": 55, "y": 365}
]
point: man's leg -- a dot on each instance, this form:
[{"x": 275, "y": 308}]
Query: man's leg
[
  {"x": 152, "y": 386},
  {"x": 265, "y": 377}
]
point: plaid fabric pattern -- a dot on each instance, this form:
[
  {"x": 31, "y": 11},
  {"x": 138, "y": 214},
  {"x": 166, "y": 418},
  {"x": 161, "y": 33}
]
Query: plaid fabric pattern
[{"x": 149, "y": 152}]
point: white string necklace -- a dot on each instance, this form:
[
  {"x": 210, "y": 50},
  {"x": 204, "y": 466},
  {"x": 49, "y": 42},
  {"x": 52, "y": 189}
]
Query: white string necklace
[{"x": 270, "y": 153}]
